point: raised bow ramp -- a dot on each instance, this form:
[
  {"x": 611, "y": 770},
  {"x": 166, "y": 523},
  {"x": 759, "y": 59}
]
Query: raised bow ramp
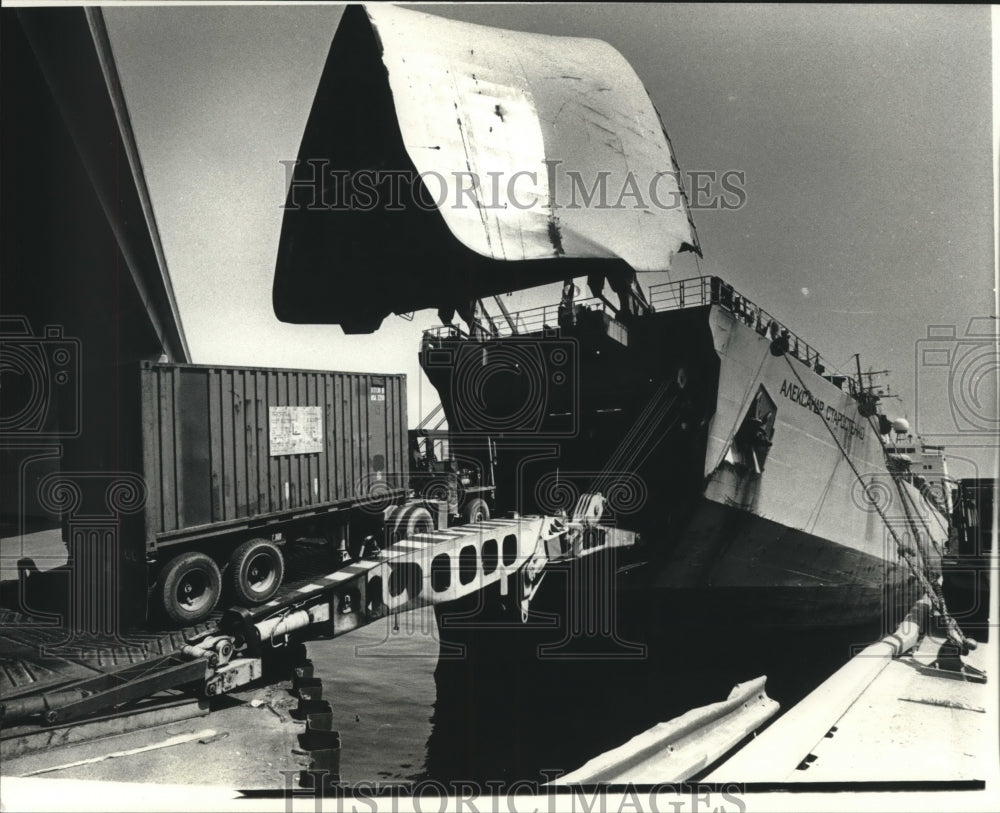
[{"x": 444, "y": 161}]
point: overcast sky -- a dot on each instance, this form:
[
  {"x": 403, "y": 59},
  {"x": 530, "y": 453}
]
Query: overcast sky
[{"x": 864, "y": 133}]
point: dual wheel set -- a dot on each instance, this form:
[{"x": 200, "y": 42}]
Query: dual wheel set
[{"x": 191, "y": 584}]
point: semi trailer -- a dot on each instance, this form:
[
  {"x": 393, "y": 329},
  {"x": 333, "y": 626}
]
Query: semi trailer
[{"x": 238, "y": 463}]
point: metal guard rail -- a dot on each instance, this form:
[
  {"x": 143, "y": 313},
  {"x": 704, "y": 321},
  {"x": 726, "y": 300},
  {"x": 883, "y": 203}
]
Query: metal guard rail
[{"x": 668, "y": 296}]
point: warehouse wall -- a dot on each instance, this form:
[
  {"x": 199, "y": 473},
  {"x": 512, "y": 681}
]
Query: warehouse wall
[{"x": 83, "y": 289}]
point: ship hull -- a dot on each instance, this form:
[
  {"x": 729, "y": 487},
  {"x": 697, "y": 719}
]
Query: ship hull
[
  {"x": 731, "y": 566},
  {"x": 630, "y": 658},
  {"x": 756, "y": 482}
]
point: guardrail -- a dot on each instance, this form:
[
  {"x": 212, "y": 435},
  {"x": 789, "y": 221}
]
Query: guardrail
[
  {"x": 667, "y": 296},
  {"x": 531, "y": 320},
  {"x": 689, "y": 293}
]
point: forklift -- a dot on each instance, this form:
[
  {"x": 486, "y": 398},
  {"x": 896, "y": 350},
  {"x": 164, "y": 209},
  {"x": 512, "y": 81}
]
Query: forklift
[{"x": 461, "y": 478}]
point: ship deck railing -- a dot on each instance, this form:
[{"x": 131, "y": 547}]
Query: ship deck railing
[{"x": 668, "y": 296}]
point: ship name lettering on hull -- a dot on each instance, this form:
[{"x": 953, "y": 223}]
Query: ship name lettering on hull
[{"x": 804, "y": 398}]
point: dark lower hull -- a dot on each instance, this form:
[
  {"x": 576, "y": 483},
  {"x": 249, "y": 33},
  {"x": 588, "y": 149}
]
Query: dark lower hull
[
  {"x": 787, "y": 609},
  {"x": 730, "y": 565},
  {"x": 615, "y": 645},
  {"x": 515, "y": 700}
]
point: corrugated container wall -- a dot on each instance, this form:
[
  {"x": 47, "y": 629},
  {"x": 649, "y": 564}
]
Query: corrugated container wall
[{"x": 225, "y": 444}]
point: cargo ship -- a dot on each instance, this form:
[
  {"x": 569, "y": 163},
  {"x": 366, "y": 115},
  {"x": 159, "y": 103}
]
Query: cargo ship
[
  {"x": 756, "y": 475},
  {"x": 757, "y": 479}
]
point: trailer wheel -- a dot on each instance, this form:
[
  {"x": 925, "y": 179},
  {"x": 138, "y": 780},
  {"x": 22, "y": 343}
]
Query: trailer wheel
[
  {"x": 476, "y": 510},
  {"x": 416, "y": 521},
  {"x": 189, "y": 587},
  {"x": 255, "y": 571}
]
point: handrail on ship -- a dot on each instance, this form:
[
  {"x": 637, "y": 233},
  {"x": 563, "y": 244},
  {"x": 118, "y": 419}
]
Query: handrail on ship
[
  {"x": 686, "y": 293},
  {"x": 530, "y": 320}
]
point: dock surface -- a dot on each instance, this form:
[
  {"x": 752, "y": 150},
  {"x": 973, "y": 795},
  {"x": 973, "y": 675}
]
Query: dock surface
[{"x": 913, "y": 723}]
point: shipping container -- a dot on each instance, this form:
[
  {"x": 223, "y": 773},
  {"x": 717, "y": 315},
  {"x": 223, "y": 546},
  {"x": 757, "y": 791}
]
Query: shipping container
[{"x": 236, "y": 459}]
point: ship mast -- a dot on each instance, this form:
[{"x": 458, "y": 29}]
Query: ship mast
[{"x": 861, "y": 381}]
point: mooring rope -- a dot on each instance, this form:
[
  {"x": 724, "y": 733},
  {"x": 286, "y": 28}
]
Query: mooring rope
[
  {"x": 898, "y": 479},
  {"x": 931, "y": 587}
]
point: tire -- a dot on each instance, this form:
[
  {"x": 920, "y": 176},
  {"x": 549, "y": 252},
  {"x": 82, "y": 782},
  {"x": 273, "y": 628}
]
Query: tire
[
  {"x": 189, "y": 587},
  {"x": 256, "y": 570},
  {"x": 416, "y": 521},
  {"x": 476, "y": 510}
]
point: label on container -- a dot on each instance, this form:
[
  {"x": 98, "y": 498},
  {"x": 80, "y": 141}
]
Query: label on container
[
  {"x": 377, "y": 392},
  {"x": 296, "y": 429}
]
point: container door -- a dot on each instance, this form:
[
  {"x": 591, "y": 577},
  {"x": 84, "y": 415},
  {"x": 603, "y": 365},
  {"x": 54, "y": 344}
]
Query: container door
[
  {"x": 377, "y": 429},
  {"x": 194, "y": 466}
]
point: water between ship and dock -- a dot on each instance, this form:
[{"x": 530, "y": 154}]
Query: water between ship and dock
[{"x": 524, "y": 703}]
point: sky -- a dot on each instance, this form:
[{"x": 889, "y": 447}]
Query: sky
[{"x": 864, "y": 132}]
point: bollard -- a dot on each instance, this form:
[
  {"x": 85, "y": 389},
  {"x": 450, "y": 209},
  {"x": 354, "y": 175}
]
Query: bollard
[
  {"x": 307, "y": 707},
  {"x": 310, "y": 688},
  {"x": 319, "y": 733},
  {"x": 328, "y": 760},
  {"x": 302, "y": 673}
]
